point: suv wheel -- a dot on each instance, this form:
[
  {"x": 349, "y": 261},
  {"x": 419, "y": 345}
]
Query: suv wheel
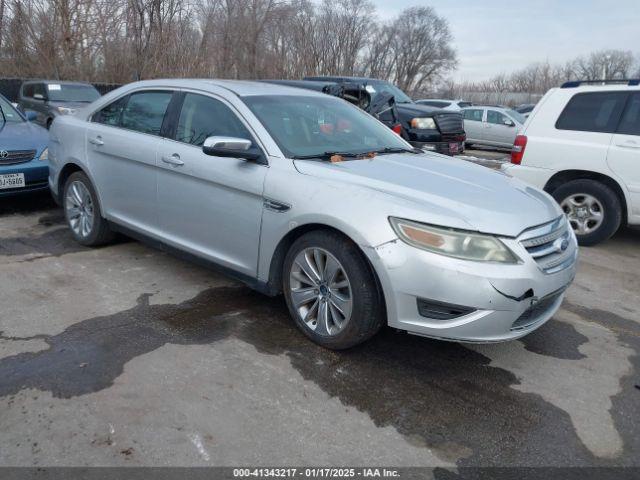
[
  {"x": 82, "y": 211},
  {"x": 331, "y": 291},
  {"x": 592, "y": 208}
]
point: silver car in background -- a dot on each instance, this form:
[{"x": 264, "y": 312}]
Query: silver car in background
[
  {"x": 492, "y": 126},
  {"x": 296, "y": 192}
]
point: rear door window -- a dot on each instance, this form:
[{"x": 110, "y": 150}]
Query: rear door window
[
  {"x": 593, "y": 112},
  {"x": 630, "y": 123},
  {"x": 145, "y": 111},
  {"x": 474, "y": 115}
]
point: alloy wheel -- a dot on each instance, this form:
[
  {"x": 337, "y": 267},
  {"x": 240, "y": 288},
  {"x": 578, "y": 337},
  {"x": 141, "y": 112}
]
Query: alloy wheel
[
  {"x": 320, "y": 291},
  {"x": 79, "y": 207},
  {"x": 584, "y": 212}
]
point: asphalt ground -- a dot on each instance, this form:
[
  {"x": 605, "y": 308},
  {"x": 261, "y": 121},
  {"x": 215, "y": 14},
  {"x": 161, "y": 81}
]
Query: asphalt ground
[{"x": 127, "y": 356}]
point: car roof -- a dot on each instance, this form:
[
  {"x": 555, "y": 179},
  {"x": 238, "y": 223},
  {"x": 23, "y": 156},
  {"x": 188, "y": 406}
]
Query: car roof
[
  {"x": 242, "y": 88},
  {"x": 497, "y": 107},
  {"x": 339, "y": 78},
  {"x": 57, "y": 82}
]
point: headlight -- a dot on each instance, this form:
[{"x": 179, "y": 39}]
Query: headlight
[
  {"x": 423, "y": 123},
  {"x": 453, "y": 243},
  {"x": 66, "y": 111},
  {"x": 44, "y": 156}
]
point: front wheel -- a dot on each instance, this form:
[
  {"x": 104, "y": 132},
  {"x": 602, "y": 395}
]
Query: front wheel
[
  {"x": 330, "y": 290},
  {"x": 592, "y": 208}
]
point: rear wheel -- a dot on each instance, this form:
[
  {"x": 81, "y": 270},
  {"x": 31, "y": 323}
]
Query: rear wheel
[
  {"x": 331, "y": 291},
  {"x": 83, "y": 213},
  {"x": 592, "y": 208}
]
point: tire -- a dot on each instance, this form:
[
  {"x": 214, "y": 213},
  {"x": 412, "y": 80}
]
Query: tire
[
  {"x": 468, "y": 145},
  {"x": 86, "y": 205},
  {"x": 366, "y": 312},
  {"x": 576, "y": 196},
  {"x": 49, "y": 122}
]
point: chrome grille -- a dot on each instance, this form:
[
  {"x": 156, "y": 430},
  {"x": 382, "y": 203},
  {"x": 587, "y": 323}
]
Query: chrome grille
[
  {"x": 11, "y": 157},
  {"x": 450, "y": 123},
  {"x": 550, "y": 245}
]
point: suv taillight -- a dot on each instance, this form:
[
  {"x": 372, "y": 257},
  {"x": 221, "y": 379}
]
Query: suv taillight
[
  {"x": 517, "y": 151},
  {"x": 397, "y": 128}
]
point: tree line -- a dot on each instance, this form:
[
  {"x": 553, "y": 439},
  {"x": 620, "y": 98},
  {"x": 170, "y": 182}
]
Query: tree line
[
  {"x": 119, "y": 41},
  {"x": 537, "y": 78},
  {"x": 125, "y": 40}
]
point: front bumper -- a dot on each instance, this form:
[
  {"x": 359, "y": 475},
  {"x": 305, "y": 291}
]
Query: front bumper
[
  {"x": 435, "y": 141},
  {"x": 506, "y": 301},
  {"x": 35, "y": 177}
]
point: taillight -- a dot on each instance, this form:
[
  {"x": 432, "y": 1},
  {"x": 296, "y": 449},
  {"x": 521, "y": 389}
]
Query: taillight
[
  {"x": 517, "y": 151},
  {"x": 397, "y": 128}
]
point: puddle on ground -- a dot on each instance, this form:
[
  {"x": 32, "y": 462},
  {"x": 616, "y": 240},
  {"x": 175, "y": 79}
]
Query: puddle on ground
[{"x": 437, "y": 394}]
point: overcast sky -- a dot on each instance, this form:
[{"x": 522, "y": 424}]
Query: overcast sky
[{"x": 495, "y": 36}]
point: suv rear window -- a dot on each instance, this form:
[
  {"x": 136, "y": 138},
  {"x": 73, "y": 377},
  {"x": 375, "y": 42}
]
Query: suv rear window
[
  {"x": 593, "y": 112},
  {"x": 630, "y": 124}
]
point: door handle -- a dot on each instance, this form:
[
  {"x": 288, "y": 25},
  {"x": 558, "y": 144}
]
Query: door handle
[
  {"x": 96, "y": 141},
  {"x": 173, "y": 160},
  {"x": 629, "y": 144}
]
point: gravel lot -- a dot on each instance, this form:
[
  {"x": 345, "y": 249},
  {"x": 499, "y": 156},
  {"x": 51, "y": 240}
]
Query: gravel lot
[{"x": 124, "y": 355}]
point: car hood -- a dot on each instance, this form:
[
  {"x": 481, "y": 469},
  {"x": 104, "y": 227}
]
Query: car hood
[
  {"x": 447, "y": 192},
  {"x": 76, "y": 105},
  {"x": 415, "y": 109},
  {"x": 23, "y": 136}
]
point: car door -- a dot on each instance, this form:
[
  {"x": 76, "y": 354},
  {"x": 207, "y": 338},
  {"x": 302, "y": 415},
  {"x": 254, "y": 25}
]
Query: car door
[
  {"x": 624, "y": 153},
  {"x": 499, "y": 130},
  {"x": 122, "y": 144},
  {"x": 473, "y": 124},
  {"x": 210, "y": 206}
]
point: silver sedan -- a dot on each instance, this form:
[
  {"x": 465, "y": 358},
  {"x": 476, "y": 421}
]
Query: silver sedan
[{"x": 297, "y": 192}]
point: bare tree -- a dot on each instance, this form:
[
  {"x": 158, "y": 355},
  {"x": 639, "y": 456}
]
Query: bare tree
[{"x": 414, "y": 50}]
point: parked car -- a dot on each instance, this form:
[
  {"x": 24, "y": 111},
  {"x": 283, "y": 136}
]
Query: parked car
[
  {"x": 525, "y": 109},
  {"x": 492, "y": 126},
  {"x": 424, "y": 127},
  {"x": 452, "y": 105},
  {"x": 582, "y": 145},
  {"x": 23, "y": 152},
  {"x": 52, "y": 98},
  {"x": 295, "y": 191},
  {"x": 381, "y": 105}
]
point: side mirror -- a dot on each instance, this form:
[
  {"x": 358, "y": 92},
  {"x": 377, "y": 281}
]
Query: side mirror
[
  {"x": 509, "y": 123},
  {"x": 233, "y": 147},
  {"x": 31, "y": 115},
  {"x": 38, "y": 96}
]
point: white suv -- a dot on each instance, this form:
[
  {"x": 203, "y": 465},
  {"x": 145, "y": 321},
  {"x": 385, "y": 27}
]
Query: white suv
[{"x": 581, "y": 144}]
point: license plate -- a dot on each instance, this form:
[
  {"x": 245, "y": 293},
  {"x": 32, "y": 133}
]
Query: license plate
[
  {"x": 11, "y": 180},
  {"x": 454, "y": 148}
]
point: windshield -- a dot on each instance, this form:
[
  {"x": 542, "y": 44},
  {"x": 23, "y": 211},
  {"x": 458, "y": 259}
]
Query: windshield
[
  {"x": 306, "y": 126},
  {"x": 517, "y": 116},
  {"x": 72, "y": 93},
  {"x": 380, "y": 87},
  {"x": 10, "y": 114}
]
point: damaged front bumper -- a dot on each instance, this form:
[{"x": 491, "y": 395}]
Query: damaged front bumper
[{"x": 447, "y": 298}]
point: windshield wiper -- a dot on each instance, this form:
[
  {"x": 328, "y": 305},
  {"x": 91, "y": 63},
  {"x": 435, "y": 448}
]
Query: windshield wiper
[
  {"x": 327, "y": 155},
  {"x": 398, "y": 150}
]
